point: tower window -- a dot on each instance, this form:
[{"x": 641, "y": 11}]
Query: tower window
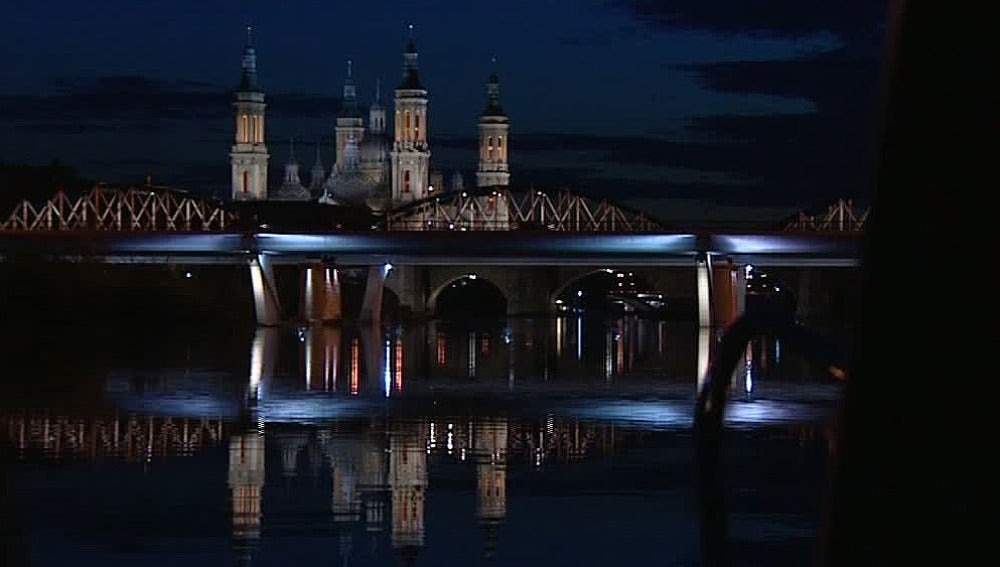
[
  {"x": 246, "y": 129},
  {"x": 406, "y": 181},
  {"x": 416, "y": 130},
  {"x": 500, "y": 154},
  {"x": 489, "y": 147},
  {"x": 406, "y": 125},
  {"x": 246, "y": 182}
]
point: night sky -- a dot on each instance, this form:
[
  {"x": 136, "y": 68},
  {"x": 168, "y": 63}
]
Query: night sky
[{"x": 681, "y": 107}]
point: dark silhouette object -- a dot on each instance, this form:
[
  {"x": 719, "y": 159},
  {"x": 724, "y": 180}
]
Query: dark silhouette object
[{"x": 900, "y": 490}]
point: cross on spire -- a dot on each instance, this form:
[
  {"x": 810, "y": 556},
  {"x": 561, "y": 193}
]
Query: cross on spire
[{"x": 249, "y": 35}]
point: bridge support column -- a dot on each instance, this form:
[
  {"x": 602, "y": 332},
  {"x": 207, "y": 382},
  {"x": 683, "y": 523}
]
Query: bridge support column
[
  {"x": 721, "y": 292},
  {"x": 528, "y": 290},
  {"x": 263, "y": 354},
  {"x": 265, "y": 293},
  {"x": 703, "y": 271},
  {"x": 410, "y": 286},
  {"x": 728, "y": 293},
  {"x": 371, "y": 307},
  {"x": 321, "y": 299}
]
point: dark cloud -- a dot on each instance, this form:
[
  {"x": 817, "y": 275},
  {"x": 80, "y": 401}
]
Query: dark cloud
[
  {"x": 778, "y": 18},
  {"x": 142, "y": 104},
  {"x": 805, "y": 158}
]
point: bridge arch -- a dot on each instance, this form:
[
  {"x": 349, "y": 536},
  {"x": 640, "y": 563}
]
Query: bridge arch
[
  {"x": 480, "y": 284},
  {"x": 502, "y": 208},
  {"x": 677, "y": 284}
]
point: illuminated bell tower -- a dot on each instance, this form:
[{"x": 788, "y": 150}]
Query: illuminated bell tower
[
  {"x": 350, "y": 123},
  {"x": 249, "y": 156},
  {"x": 246, "y": 482},
  {"x": 410, "y": 153},
  {"x": 491, "y": 478},
  {"x": 493, "y": 128},
  {"x": 408, "y": 480}
]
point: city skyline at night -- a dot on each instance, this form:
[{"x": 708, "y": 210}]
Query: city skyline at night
[{"x": 628, "y": 99}]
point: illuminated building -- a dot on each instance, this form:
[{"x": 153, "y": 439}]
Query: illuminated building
[
  {"x": 249, "y": 156},
  {"x": 491, "y": 478},
  {"x": 408, "y": 482},
  {"x": 246, "y": 483},
  {"x": 372, "y": 166}
]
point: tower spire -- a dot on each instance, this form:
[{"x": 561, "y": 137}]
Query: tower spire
[
  {"x": 378, "y": 89},
  {"x": 410, "y": 79},
  {"x": 248, "y": 80}
]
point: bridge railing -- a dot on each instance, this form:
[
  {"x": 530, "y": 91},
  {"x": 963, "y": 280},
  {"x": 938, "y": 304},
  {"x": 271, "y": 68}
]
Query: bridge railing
[{"x": 153, "y": 209}]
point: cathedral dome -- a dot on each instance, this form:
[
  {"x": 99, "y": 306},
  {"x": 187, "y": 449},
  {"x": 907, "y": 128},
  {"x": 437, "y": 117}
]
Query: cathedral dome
[
  {"x": 291, "y": 192},
  {"x": 349, "y": 186}
]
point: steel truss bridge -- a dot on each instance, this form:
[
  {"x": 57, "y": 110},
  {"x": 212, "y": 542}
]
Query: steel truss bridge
[{"x": 162, "y": 209}]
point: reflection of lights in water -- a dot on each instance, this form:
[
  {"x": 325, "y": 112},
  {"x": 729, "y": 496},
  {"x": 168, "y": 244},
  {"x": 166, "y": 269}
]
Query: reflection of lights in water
[
  {"x": 387, "y": 369},
  {"x": 560, "y": 334},
  {"x": 472, "y": 354},
  {"x": 451, "y": 438},
  {"x": 608, "y": 355},
  {"x": 538, "y": 456},
  {"x": 462, "y": 453},
  {"x": 579, "y": 338},
  {"x": 355, "y": 355},
  {"x": 748, "y": 369},
  {"x": 777, "y": 351},
  {"x": 704, "y": 348},
  {"x": 398, "y": 365}
]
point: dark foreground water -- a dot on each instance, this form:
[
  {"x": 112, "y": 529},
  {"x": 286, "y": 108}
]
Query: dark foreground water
[{"x": 554, "y": 442}]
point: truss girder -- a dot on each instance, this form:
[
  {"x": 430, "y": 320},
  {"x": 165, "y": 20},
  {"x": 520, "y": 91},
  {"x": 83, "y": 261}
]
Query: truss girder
[
  {"x": 504, "y": 210},
  {"x": 840, "y": 216},
  {"x": 120, "y": 210}
]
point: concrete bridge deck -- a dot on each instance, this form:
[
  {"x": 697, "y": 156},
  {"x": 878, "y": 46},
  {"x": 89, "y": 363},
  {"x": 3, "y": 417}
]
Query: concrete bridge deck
[{"x": 442, "y": 248}]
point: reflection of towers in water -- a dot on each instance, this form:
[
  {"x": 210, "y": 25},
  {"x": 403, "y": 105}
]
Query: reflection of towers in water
[
  {"x": 408, "y": 480},
  {"x": 491, "y": 478},
  {"x": 345, "y": 454},
  {"x": 373, "y": 485},
  {"x": 246, "y": 483}
]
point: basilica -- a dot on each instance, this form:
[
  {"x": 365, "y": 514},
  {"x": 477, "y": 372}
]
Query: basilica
[{"x": 373, "y": 166}]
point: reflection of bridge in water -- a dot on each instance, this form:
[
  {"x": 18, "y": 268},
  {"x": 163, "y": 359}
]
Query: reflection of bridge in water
[{"x": 378, "y": 470}]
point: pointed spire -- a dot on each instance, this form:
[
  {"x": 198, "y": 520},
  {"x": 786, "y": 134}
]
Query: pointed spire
[
  {"x": 410, "y": 79},
  {"x": 493, "y": 107},
  {"x": 349, "y": 108},
  {"x": 248, "y": 81}
]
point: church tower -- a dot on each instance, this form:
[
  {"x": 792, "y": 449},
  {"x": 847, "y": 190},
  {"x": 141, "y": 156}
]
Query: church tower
[
  {"x": 248, "y": 156},
  {"x": 350, "y": 123},
  {"x": 410, "y": 152},
  {"x": 493, "y": 127}
]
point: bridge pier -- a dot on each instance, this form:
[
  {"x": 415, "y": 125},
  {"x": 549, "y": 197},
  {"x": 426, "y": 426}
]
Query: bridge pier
[
  {"x": 321, "y": 297},
  {"x": 410, "y": 285},
  {"x": 267, "y": 309},
  {"x": 371, "y": 306},
  {"x": 263, "y": 355},
  {"x": 721, "y": 292}
]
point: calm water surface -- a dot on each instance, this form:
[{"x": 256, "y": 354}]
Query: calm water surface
[{"x": 523, "y": 442}]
